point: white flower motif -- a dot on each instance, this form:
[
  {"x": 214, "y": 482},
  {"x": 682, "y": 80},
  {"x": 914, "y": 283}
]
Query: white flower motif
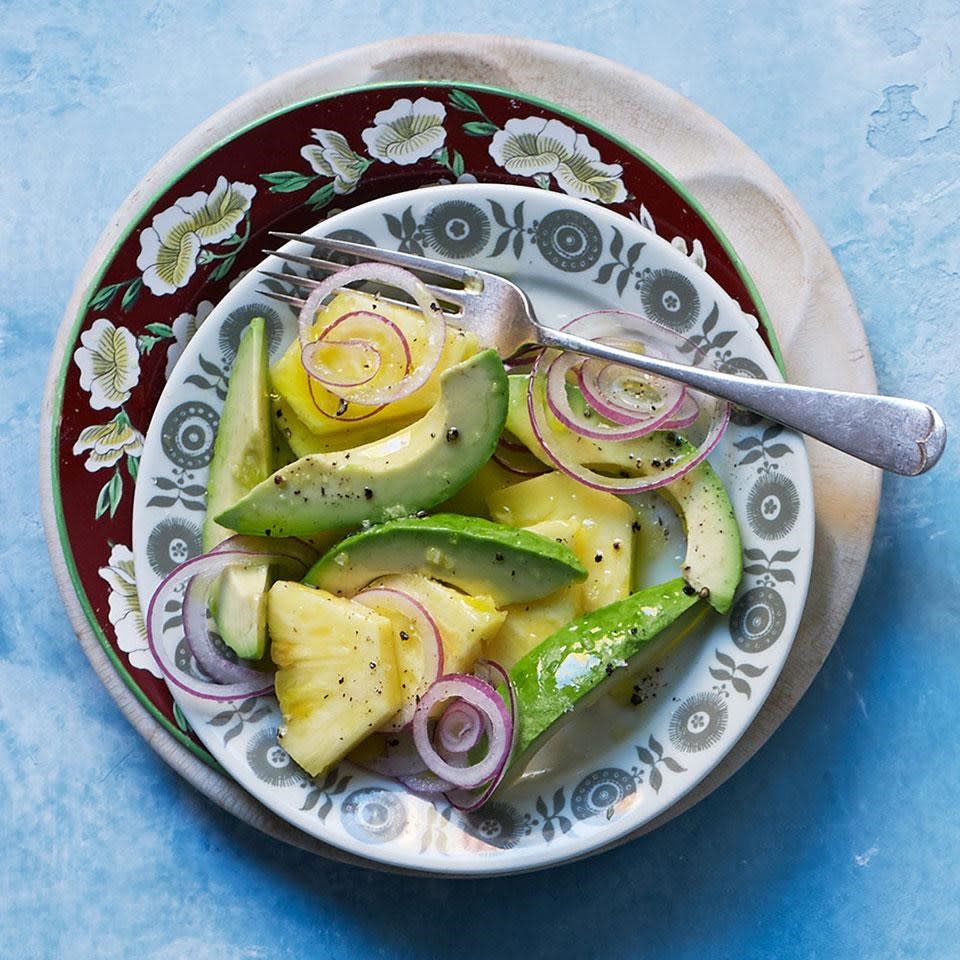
[
  {"x": 170, "y": 246},
  {"x": 109, "y": 442},
  {"x": 534, "y": 147},
  {"x": 109, "y": 363},
  {"x": 125, "y": 613},
  {"x": 406, "y": 132},
  {"x": 334, "y": 158},
  {"x": 168, "y": 251},
  {"x": 184, "y": 327},
  {"x": 216, "y": 215}
]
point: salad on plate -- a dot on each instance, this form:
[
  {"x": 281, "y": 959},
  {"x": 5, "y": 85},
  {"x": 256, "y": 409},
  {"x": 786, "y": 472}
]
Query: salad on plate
[{"x": 432, "y": 557}]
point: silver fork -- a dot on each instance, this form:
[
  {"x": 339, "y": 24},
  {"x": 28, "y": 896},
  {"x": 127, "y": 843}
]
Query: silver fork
[{"x": 904, "y": 436}]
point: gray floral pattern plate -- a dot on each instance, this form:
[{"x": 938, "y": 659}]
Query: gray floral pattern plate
[{"x": 654, "y": 735}]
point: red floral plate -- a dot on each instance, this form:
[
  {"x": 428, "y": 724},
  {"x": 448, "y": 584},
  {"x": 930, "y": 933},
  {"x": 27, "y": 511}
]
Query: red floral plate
[{"x": 207, "y": 227}]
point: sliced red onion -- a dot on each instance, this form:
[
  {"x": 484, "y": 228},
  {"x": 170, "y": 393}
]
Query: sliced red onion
[
  {"x": 546, "y": 434},
  {"x": 212, "y": 660},
  {"x": 686, "y": 414},
  {"x": 544, "y": 401},
  {"x": 362, "y": 330},
  {"x": 290, "y": 548},
  {"x": 430, "y": 342},
  {"x": 498, "y": 724},
  {"x": 459, "y": 728},
  {"x": 494, "y": 674},
  {"x": 244, "y": 682},
  {"x": 431, "y": 644},
  {"x": 340, "y": 407},
  {"x": 554, "y": 367},
  {"x": 312, "y": 361},
  {"x": 601, "y": 383}
]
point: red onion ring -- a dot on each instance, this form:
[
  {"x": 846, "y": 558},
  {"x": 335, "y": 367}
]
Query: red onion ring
[
  {"x": 498, "y": 722},
  {"x": 366, "y": 411},
  {"x": 459, "y": 728},
  {"x": 593, "y": 378},
  {"x": 196, "y": 631},
  {"x": 245, "y": 681},
  {"x": 543, "y": 400},
  {"x": 431, "y": 644},
  {"x": 434, "y": 337},
  {"x": 291, "y": 548},
  {"x": 545, "y": 433},
  {"x": 309, "y": 353},
  {"x": 684, "y": 415},
  {"x": 494, "y": 674},
  {"x": 558, "y": 365}
]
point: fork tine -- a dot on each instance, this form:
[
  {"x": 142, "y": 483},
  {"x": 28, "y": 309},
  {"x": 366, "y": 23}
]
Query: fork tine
[
  {"x": 361, "y": 251},
  {"x": 283, "y": 298},
  {"x": 453, "y": 297},
  {"x": 327, "y": 265},
  {"x": 291, "y": 278},
  {"x": 444, "y": 297}
]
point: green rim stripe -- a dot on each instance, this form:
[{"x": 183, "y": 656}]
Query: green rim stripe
[{"x": 134, "y": 221}]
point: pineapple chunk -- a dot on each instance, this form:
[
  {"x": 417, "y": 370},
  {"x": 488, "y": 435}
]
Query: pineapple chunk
[
  {"x": 603, "y": 541},
  {"x": 528, "y": 624},
  {"x": 465, "y": 622},
  {"x": 597, "y": 526},
  {"x": 303, "y": 441},
  {"x": 337, "y": 679},
  {"x": 471, "y": 500},
  {"x": 317, "y": 408}
]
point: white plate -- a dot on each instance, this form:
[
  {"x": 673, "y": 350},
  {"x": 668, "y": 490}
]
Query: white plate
[{"x": 620, "y": 764}]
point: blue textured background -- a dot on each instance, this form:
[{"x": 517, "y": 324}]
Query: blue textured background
[{"x": 840, "y": 839}]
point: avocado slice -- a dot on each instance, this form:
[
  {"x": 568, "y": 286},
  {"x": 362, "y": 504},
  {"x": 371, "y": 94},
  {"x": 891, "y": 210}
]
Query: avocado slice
[
  {"x": 557, "y": 675},
  {"x": 243, "y": 453},
  {"x": 713, "y": 563},
  {"x": 410, "y": 470},
  {"x": 478, "y": 556}
]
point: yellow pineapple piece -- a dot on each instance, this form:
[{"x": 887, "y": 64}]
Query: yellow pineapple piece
[
  {"x": 471, "y": 499},
  {"x": 465, "y": 622},
  {"x": 317, "y": 408},
  {"x": 303, "y": 441},
  {"x": 337, "y": 679},
  {"x": 527, "y": 625},
  {"x": 595, "y": 525},
  {"x": 603, "y": 541}
]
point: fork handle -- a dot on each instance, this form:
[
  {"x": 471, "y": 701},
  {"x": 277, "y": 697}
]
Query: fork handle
[{"x": 904, "y": 436}]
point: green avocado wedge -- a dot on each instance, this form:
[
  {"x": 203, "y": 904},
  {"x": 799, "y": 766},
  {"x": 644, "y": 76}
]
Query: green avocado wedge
[
  {"x": 477, "y": 556},
  {"x": 243, "y": 454},
  {"x": 572, "y": 663},
  {"x": 413, "y": 469},
  {"x": 243, "y": 447},
  {"x": 713, "y": 563}
]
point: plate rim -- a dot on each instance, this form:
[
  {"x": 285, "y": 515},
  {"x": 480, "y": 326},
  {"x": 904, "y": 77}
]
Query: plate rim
[
  {"x": 465, "y": 866},
  {"x": 58, "y": 371}
]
